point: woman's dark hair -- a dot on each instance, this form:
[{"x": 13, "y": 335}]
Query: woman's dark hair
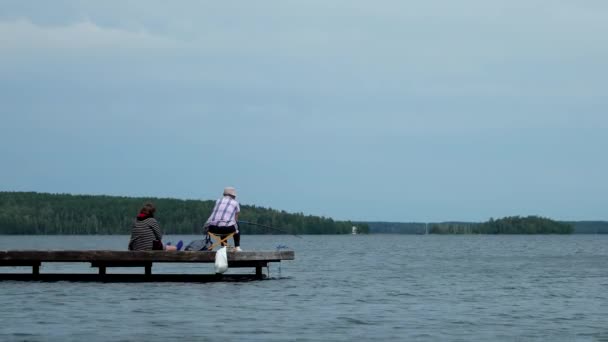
[{"x": 148, "y": 209}]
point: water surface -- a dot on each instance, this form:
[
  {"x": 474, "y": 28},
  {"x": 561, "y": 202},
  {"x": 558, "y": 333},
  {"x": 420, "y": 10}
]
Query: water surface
[{"x": 339, "y": 288}]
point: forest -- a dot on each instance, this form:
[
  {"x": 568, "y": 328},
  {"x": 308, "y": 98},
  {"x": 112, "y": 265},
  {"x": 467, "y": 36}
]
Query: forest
[
  {"x": 506, "y": 225},
  {"x": 44, "y": 213}
]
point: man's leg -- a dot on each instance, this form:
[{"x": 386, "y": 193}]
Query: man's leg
[{"x": 237, "y": 239}]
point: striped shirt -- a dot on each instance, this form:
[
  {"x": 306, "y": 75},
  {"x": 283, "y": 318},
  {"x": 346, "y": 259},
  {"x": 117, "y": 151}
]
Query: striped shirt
[
  {"x": 224, "y": 212},
  {"x": 143, "y": 233}
]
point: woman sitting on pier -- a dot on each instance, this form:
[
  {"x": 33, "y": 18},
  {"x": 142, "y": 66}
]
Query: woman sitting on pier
[{"x": 145, "y": 230}]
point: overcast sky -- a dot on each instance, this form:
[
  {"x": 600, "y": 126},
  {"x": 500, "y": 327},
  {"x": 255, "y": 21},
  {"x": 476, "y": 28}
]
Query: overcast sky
[{"x": 366, "y": 110}]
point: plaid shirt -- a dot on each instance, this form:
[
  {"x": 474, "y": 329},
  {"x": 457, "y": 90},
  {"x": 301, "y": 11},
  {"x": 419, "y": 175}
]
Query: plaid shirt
[{"x": 223, "y": 214}]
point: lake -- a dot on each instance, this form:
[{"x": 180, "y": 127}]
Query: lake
[{"x": 339, "y": 288}]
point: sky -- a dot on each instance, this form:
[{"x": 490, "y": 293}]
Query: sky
[{"x": 421, "y": 110}]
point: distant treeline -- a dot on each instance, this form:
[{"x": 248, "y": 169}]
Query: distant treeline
[
  {"x": 507, "y": 225},
  {"x": 590, "y": 227},
  {"x": 43, "y": 213}
]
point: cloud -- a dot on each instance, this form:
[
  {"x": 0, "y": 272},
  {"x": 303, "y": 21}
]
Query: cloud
[
  {"x": 22, "y": 37},
  {"x": 406, "y": 39}
]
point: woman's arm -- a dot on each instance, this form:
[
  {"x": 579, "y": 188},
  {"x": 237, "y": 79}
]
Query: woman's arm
[{"x": 156, "y": 228}]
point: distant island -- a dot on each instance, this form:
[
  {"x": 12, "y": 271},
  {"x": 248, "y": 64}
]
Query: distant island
[
  {"x": 44, "y": 213},
  {"x": 506, "y": 225}
]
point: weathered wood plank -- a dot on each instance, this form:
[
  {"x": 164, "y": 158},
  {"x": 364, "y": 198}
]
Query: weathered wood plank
[
  {"x": 130, "y": 278},
  {"x": 6, "y": 257},
  {"x": 120, "y": 264},
  {"x": 104, "y": 259}
]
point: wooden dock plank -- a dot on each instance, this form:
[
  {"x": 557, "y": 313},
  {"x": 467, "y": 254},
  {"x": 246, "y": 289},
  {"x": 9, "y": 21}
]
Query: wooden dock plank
[
  {"x": 104, "y": 259},
  {"x": 138, "y": 256},
  {"x": 130, "y": 278}
]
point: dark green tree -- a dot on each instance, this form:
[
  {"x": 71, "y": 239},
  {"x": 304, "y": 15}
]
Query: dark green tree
[{"x": 43, "y": 213}]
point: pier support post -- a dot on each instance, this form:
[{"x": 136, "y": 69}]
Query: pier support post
[{"x": 258, "y": 272}]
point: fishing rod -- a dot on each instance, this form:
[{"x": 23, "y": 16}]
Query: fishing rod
[{"x": 269, "y": 227}]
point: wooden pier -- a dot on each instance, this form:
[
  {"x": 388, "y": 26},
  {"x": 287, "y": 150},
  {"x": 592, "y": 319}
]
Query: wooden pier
[{"x": 103, "y": 260}]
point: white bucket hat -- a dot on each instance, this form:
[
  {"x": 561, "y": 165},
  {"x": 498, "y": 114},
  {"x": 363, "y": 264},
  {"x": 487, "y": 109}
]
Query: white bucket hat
[{"x": 230, "y": 191}]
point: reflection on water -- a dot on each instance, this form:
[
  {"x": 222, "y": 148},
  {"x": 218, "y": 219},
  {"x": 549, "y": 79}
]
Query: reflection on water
[{"x": 339, "y": 288}]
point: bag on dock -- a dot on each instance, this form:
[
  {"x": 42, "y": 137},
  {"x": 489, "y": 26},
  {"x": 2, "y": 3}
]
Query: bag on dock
[
  {"x": 221, "y": 260},
  {"x": 157, "y": 245},
  {"x": 199, "y": 245}
]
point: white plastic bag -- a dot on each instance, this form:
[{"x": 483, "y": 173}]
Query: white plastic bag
[{"x": 221, "y": 260}]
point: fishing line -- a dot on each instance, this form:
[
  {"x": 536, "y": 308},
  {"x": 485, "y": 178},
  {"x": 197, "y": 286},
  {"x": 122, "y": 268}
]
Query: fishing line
[{"x": 269, "y": 227}]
